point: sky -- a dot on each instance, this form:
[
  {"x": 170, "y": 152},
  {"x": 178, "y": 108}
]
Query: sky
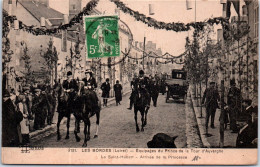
[{"x": 167, "y": 11}]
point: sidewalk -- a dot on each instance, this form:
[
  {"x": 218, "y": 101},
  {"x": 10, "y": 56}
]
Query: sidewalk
[
  {"x": 52, "y": 128},
  {"x": 212, "y": 141}
]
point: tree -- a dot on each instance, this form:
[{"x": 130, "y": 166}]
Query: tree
[
  {"x": 51, "y": 59},
  {"x": 74, "y": 58},
  {"x": 28, "y": 75},
  {"x": 6, "y": 51}
]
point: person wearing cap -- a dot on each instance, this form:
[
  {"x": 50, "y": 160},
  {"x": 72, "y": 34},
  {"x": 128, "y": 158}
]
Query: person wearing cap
[
  {"x": 36, "y": 108},
  {"x": 71, "y": 87},
  {"x": 105, "y": 87},
  {"x": 28, "y": 102},
  {"x": 234, "y": 103},
  {"x": 210, "y": 100},
  {"x": 11, "y": 119}
]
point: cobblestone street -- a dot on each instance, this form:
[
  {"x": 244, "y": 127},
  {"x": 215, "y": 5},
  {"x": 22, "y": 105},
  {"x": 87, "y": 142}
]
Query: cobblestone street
[{"x": 117, "y": 127}]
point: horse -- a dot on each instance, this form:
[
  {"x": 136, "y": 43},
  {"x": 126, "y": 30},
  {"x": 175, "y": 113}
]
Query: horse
[
  {"x": 142, "y": 104},
  {"x": 62, "y": 109},
  {"x": 84, "y": 112}
]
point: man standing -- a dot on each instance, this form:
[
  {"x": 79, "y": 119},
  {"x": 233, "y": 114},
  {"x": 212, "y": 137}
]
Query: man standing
[
  {"x": 234, "y": 104},
  {"x": 118, "y": 92},
  {"x": 212, "y": 97},
  {"x": 36, "y": 109},
  {"x": 10, "y": 120},
  {"x": 154, "y": 91},
  {"x": 105, "y": 87}
]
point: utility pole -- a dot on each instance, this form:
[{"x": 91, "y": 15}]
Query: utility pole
[{"x": 144, "y": 51}]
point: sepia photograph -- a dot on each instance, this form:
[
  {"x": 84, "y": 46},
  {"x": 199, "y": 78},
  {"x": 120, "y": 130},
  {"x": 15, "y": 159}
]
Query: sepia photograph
[{"x": 130, "y": 82}]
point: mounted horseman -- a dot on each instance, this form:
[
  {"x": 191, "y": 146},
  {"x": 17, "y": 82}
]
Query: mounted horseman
[
  {"x": 88, "y": 106},
  {"x": 67, "y": 93},
  {"x": 141, "y": 98}
]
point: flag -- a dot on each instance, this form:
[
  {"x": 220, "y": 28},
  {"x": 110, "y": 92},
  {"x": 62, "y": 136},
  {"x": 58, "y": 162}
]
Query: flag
[{"x": 236, "y": 4}]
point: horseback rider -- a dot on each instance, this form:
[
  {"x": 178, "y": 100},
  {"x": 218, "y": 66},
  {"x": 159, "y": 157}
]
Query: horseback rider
[
  {"x": 90, "y": 84},
  {"x": 133, "y": 92},
  {"x": 142, "y": 86},
  {"x": 71, "y": 87}
]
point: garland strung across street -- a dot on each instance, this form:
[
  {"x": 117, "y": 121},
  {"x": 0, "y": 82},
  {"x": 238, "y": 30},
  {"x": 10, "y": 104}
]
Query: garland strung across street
[
  {"x": 43, "y": 31},
  {"x": 177, "y": 27}
]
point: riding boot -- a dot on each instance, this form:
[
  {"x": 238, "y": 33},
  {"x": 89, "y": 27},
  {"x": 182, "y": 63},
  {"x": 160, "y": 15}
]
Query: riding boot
[
  {"x": 131, "y": 104},
  {"x": 104, "y": 102}
]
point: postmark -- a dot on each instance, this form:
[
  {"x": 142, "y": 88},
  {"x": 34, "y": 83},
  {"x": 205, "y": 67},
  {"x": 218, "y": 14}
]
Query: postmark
[{"x": 102, "y": 36}]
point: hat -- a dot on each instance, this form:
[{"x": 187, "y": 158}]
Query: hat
[
  {"x": 141, "y": 72},
  {"x": 232, "y": 82},
  {"x": 26, "y": 88},
  {"x": 69, "y": 73},
  {"x": 88, "y": 71},
  {"x": 37, "y": 90},
  {"x": 6, "y": 93}
]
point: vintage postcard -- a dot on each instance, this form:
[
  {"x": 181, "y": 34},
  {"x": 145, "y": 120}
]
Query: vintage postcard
[{"x": 136, "y": 82}]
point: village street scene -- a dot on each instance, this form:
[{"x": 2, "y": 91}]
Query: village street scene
[{"x": 121, "y": 74}]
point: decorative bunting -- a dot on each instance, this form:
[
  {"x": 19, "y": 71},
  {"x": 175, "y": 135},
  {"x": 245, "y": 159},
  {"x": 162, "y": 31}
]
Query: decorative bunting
[
  {"x": 177, "y": 27},
  {"x": 43, "y": 31}
]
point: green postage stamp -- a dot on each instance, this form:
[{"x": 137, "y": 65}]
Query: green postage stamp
[{"x": 102, "y": 38}]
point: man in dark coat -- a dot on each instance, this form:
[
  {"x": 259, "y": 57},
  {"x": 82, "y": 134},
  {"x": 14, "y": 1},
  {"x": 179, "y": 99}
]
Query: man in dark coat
[
  {"x": 132, "y": 84},
  {"x": 118, "y": 92},
  {"x": 11, "y": 118},
  {"x": 142, "y": 85},
  {"x": 39, "y": 109},
  {"x": 210, "y": 99},
  {"x": 234, "y": 103},
  {"x": 105, "y": 87},
  {"x": 52, "y": 105},
  {"x": 154, "y": 91},
  {"x": 71, "y": 87}
]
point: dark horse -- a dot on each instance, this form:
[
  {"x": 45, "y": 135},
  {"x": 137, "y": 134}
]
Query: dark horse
[
  {"x": 141, "y": 103},
  {"x": 86, "y": 110},
  {"x": 62, "y": 109}
]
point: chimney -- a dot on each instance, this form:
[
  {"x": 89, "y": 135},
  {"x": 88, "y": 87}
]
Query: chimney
[{"x": 136, "y": 44}]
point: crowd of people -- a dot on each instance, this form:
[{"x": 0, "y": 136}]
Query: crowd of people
[
  {"x": 236, "y": 108},
  {"x": 34, "y": 106}
]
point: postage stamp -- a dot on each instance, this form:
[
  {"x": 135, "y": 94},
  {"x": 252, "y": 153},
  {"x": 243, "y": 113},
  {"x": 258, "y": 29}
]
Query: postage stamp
[{"x": 102, "y": 38}]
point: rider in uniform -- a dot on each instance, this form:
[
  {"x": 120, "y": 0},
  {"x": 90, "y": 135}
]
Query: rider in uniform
[
  {"x": 71, "y": 87},
  {"x": 142, "y": 85},
  {"x": 90, "y": 84}
]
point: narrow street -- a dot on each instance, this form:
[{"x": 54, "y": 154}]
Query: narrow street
[{"x": 117, "y": 127}]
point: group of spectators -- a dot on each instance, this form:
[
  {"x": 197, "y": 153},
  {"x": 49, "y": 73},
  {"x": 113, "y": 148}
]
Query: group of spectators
[
  {"x": 29, "y": 110},
  {"x": 236, "y": 109}
]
